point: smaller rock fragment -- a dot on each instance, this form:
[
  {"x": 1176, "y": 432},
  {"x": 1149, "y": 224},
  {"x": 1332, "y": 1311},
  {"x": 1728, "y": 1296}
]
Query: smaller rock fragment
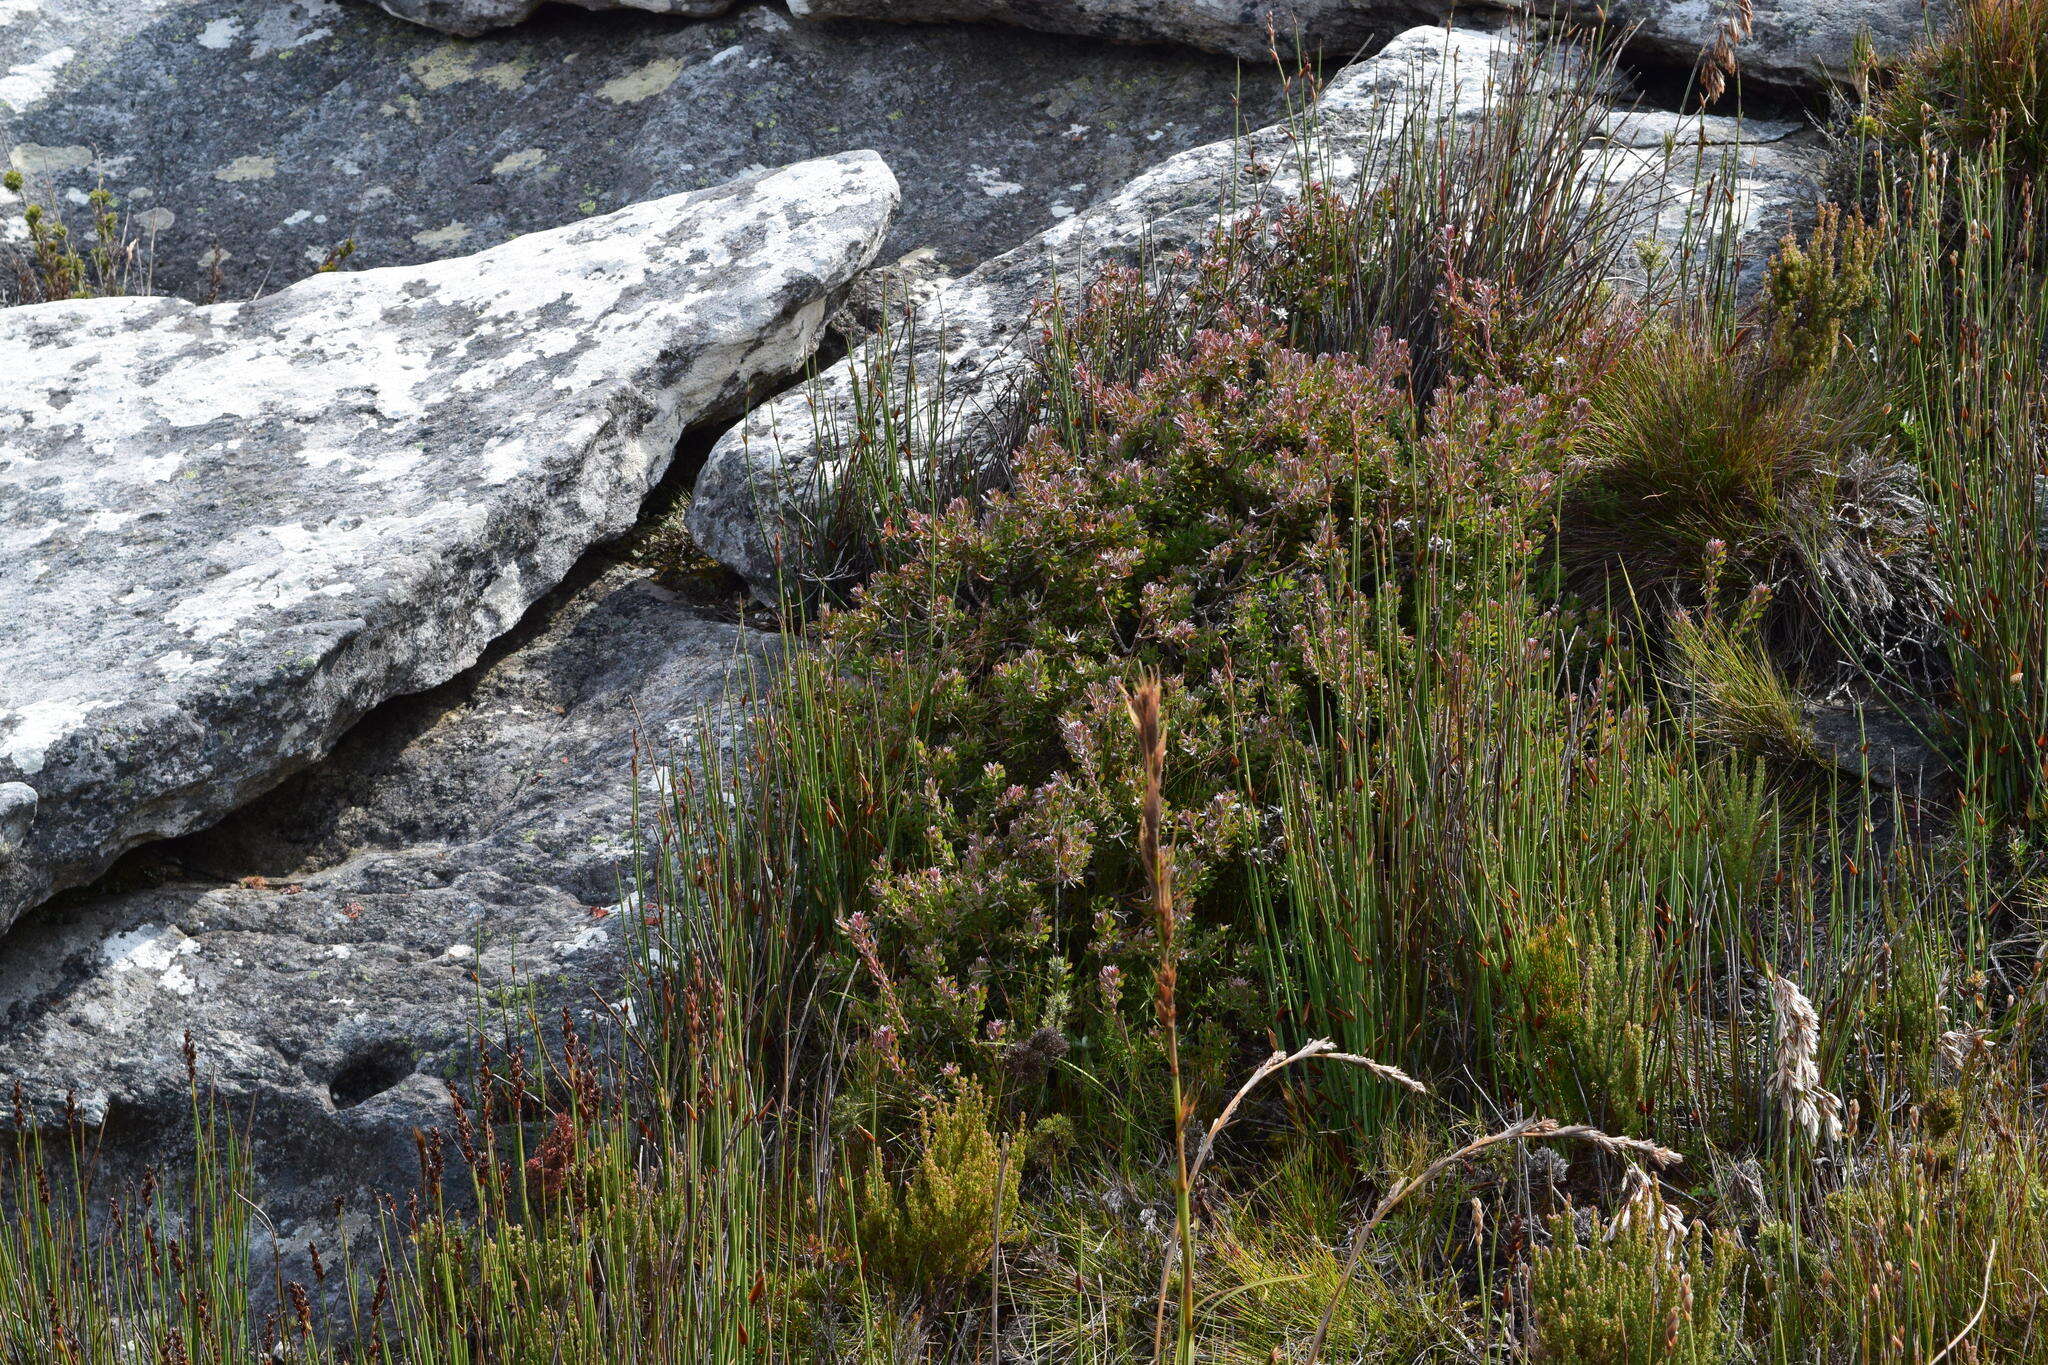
[{"x": 470, "y": 18}]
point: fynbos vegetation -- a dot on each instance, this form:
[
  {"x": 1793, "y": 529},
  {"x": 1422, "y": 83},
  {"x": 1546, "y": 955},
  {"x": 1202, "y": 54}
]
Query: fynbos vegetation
[{"x": 1322, "y": 847}]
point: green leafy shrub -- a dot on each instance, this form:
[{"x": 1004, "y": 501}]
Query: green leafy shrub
[
  {"x": 1813, "y": 289},
  {"x": 959, "y": 1203},
  {"x": 1206, "y": 451},
  {"x": 1175, "y": 522}
]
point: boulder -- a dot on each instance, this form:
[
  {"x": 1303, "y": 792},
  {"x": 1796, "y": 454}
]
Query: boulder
[
  {"x": 247, "y": 139},
  {"x": 757, "y": 497},
  {"x": 333, "y": 952},
  {"x": 226, "y": 532},
  {"x": 468, "y": 18},
  {"x": 1252, "y": 29},
  {"x": 1791, "y": 43}
]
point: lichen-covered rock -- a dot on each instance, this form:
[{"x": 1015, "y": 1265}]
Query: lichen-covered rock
[
  {"x": 755, "y": 498},
  {"x": 246, "y": 139},
  {"x": 1251, "y": 29},
  {"x": 328, "y": 950},
  {"x": 1790, "y": 42},
  {"x": 226, "y": 532},
  {"x": 468, "y": 18}
]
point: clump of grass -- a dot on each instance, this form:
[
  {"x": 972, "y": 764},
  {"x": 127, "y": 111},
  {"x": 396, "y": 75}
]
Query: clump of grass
[
  {"x": 1981, "y": 83},
  {"x": 1482, "y": 245},
  {"x": 1962, "y": 330},
  {"x": 1738, "y": 462},
  {"x": 1735, "y": 693},
  {"x": 158, "y": 1270}
]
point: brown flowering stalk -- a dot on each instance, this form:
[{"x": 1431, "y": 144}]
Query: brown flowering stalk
[
  {"x": 1719, "y": 64},
  {"x": 1145, "y": 715}
]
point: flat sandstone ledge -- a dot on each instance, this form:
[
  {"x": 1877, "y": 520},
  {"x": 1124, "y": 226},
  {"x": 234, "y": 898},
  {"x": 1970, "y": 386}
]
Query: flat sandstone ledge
[{"x": 226, "y": 532}]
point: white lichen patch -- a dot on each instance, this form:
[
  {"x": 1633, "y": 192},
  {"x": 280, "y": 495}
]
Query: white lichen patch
[
  {"x": 29, "y": 83},
  {"x": 179, "y": 664},
  {"x": 153, "y": 950},
  {"x": 220, "y": 34},
  {"x": 584, "y": 940},
  {"x": 992, "y": 183},
  {"x": 282, "y": 27},
  {"x": 27, "y": 732}
]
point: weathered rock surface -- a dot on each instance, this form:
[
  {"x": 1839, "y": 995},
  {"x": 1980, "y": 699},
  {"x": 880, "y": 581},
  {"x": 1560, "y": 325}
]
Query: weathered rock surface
[
  {"x": 468, "y": 18},
  {"x": 764, "y": 477},
  {"x": 1243, "y": 28},
  {"x": 462, "y": 850},
  {"x": 226, "y": 532},
  {"x": 259, "y": 134},
  {"x": 1792, "y": 43}
]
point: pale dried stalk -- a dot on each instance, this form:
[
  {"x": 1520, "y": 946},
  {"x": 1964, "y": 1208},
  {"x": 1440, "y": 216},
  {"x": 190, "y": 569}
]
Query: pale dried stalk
[
  {"x": 1321, "y": 1048},
  {"x": 1644, "y": 1206},
  {"x": 1519, "y": 1132},
  {"x": 1983, "y": 1302},
  {"x": 1795, "y": 1077}
]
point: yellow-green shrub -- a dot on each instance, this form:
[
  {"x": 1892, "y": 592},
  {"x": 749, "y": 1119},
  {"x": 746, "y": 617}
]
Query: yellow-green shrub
[{"x": 960, "y": 1200}]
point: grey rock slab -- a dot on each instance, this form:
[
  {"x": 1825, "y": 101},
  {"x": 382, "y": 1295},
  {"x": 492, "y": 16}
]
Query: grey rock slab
[
  {"x": 963, "y": 354},
  {"x": 469, "y": 18},
  {"x": 256, "y": 135},
  {"x": 226, "y": 532},
  {"x": 1889, "y": 748},
  {"x": 1251, "y": 29},
  {"x": 334, "y": 950},
  {"x": 1791, "y": 43},
  {"x": 1764, "y": 176}
]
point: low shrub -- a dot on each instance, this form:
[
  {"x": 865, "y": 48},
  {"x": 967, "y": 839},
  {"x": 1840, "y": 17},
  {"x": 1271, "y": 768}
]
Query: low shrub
[
  {"x": 49, "y": 264},
  {"x": 1648, "y": 1289},
  {"x": 959, "y": 1204}
]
